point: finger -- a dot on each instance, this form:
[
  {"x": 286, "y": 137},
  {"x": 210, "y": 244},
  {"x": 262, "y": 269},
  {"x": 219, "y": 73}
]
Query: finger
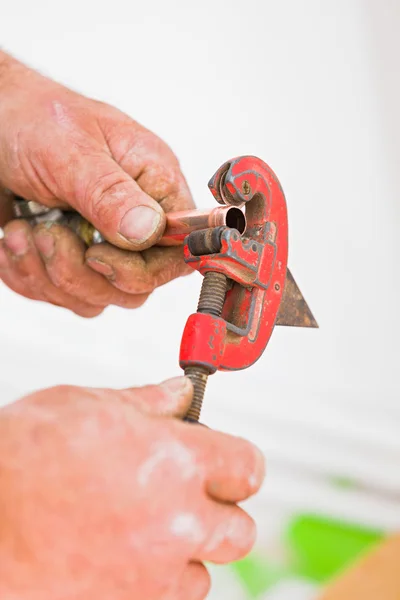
[
  {"x": 195, "y": 583},
  {"x": 12, "y": 280},
  {"x": 171, "y": 398},
  {"x": 148, "y": 160},
  {"x": 7, "y": 274},
  {"x": 167, "y": 185},
  {"x": 139, "y": 272},
  {"x": 24, "y": 272},
  {"x": 27, "y": 276},
  {"x": 63, "y": 254},
  {"x": 232, "y": 535},
  {"x": 115, "y": 204},
  {"x": 24, "y": 262},
  {"x": 235, "y": 467}
]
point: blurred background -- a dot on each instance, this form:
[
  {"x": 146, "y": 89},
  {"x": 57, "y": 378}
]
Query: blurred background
[{"x": 313, "y": 89}]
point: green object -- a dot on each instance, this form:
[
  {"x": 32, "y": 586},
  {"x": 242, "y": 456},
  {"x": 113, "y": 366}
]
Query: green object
[
  {"x": 343, "y": 482},
  {"x": 256, "y": 575},
  {"x": 318, "y": 548},
  {"x": 321, "y": 547}
]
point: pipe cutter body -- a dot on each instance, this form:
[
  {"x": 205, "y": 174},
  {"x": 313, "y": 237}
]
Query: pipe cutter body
[{"x": 255, "y": 263}]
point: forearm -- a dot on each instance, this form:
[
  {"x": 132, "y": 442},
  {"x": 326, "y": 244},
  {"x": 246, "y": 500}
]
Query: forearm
[
  {"x": 10, "y": 72},
  {"x": 7, "y": 63},
  {"x": 4, "y": 59}
]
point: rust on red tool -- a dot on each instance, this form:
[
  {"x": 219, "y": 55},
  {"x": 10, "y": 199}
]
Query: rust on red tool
[
  {"x": 255, "y": 265},
  {"x": 180, "y": 224}
]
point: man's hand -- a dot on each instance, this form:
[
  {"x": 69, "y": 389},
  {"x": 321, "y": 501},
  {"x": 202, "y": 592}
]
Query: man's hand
[
  {"x": 62, "y": 149},
  {"x": 104, "y": 495}
]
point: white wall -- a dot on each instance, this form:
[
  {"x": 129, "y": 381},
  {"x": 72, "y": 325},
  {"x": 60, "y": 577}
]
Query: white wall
[{"x": 311, "y": 87}]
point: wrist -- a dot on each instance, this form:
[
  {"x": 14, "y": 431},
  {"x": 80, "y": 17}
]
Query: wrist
[{"x": 11, "y": 72}]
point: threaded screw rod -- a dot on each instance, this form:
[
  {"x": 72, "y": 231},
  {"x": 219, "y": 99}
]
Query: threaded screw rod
[{"x": 211, "y": 301}]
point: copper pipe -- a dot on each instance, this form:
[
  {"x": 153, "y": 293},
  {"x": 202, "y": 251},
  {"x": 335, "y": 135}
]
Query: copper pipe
[{"x": 180, "y": 224}]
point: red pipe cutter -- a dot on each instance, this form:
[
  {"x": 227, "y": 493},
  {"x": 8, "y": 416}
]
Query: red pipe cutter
[{"x": 247, "y": 288}]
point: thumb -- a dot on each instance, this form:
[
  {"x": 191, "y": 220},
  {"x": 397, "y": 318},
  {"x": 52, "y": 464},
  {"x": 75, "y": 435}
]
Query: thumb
[
  {"x": 171, "y": 398},
  {"x": 115, "y": 204}
]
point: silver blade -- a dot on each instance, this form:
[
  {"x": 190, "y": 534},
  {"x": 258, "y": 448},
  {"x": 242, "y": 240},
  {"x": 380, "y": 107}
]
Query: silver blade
[{"x": 294, "y": 310}]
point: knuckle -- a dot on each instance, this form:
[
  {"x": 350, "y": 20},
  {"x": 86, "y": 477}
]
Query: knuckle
[
  {"x": 161, "y": 181},
  {"x": 233, "y": 538},
  {"x": 140, "y": 300},
  {"x": 169, "y": 180},
  {"x": 172, "y": 177},
  {"x": 134, "y": 283},
  {"x": 105, "y": 195},
  {"x": 52, "y": 295},
  {"x": 165, "y": 265},
  {"x": 37, "y": 284},
  {"x": 27, "y": 284},
  {"x": 132, "y": 300},
  {"x": 251, "y": 538},
  {"x": 63, "y": 279},
  {"x": 252, "y": 456},
  {"x": 257, "y": 472},
  {"x": 63, "y": 389},
  {"x": 201, "y": 583},
  {"x": 148, "y": 143},
  {"x": 242, "y": 533},
  {"x": 123, "y": 140},
  {"x": 89, "y": 312},
  {"x": 206, "y": 584},
  {"x": 16, "y": 225}
]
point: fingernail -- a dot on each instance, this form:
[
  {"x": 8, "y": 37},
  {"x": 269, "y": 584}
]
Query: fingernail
[
  {"x": 139, "y": 223},
  {"x": 45, "y": 244},
  {"x": 1, "y": 233},
  {"x": 178, "y": 386},
  {"x": 100, "y": 267},
  {"x": 17, "y": 242},
  {"x": 3, "y": 259}
]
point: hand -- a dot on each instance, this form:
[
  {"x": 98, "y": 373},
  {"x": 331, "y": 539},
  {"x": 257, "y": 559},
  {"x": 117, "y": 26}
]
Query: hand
[
  {"x": 104, "y": 495},
  {"x": 62, "y": 149}
]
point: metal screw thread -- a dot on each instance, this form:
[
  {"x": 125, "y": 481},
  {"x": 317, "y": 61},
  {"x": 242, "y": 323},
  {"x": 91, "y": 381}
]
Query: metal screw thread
[
  {"x": 212, "y": 295},
  {"x": 198, "y": 376},
  {"x": 212, "y": 298}
]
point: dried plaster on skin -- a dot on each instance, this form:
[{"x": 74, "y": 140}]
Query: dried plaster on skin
[
  {"x": 236, "y": 531},
  {"x": 168, "y": 453},
  {"x": 60, "y": 113},
  {"x": 188, "y": 527}
]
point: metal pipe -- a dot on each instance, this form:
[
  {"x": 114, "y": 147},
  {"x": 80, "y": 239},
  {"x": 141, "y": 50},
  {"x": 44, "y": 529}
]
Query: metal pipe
[{"x": 180, "y": 224}]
